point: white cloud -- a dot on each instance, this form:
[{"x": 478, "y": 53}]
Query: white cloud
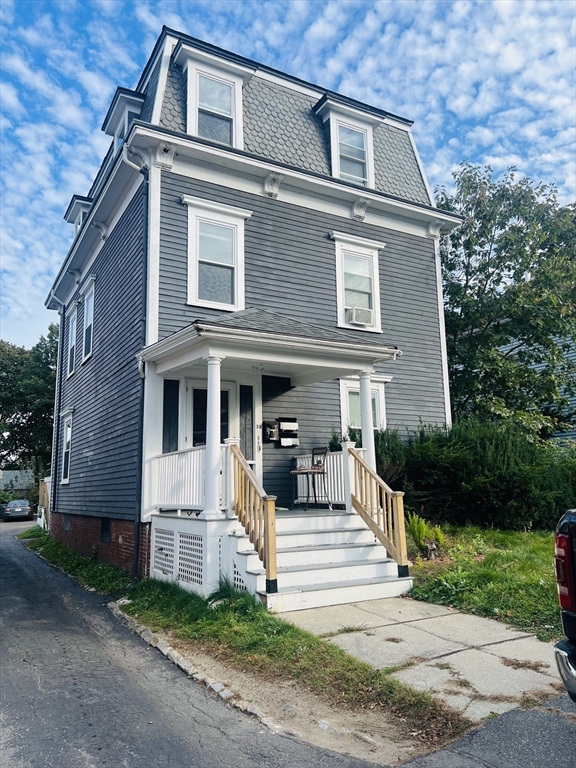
[{"x": 9, "y": 99}]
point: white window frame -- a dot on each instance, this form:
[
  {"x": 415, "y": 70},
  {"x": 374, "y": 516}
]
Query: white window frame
[
  {"x": 345, "y": 243},
  {"x": 377, "y": 387},
  {"x": 194, "y": 70},
  {"x": 355, "y": 125},
  {"x": 88, "y": 292},
  {"x": 219, "y": 214},
  {"x": 66, "y": 438},
  {"x": 72, "y": 335}
]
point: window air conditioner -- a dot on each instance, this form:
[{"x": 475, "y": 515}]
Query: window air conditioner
[{"x": 359, "y": 316}]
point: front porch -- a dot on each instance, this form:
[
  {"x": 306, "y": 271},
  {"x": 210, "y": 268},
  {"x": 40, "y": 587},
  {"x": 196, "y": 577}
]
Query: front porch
[{"x": 204, "y": 457}]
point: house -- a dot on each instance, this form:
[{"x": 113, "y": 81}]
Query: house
[
  {"x": 255, "y": 266},
  {"x": 17, "y": 481}
]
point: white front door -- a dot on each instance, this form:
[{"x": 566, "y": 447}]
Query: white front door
[{"x": 240, "y": 416}]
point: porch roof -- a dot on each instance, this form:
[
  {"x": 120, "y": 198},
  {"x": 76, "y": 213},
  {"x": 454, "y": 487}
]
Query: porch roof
[{"x": 278, "y": 344}]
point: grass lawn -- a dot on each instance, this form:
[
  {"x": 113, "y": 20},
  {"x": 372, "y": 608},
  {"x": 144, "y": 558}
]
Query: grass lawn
[{"x": 506, "y": 575}]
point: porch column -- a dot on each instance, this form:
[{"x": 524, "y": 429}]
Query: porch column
[
  {"x": 212, "y": 456},
  {"x": 366, "y": 420}
]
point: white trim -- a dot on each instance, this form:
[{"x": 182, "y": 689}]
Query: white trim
[
  {"x": 153, "y": 269},
  {"x": 66, "y": 413},
  {"x": 194, "y": 70},
  {"x": 117, "y": 214},
  {"x": 421, "y": 168},
  {"x": 65, "y": 480},
  {"x": 442, "y": 331},
  {"x": 72, "y": 318},
  {"x": 352, "y": 384},
  {"x": 226, "y": 216},
  {"x": 356, "y": 120},
  {"x": 354, "y": 240},
  {"x": 166, "y": 54},
  {"x": 346, "y": 112},
  {"x": 88, "y": 284},
  {"x": 89, "y": 292},
  {"x": 220, "y": 208},
  {"x": 306, "y": 90},
  {"x": 366, "y": 249}
]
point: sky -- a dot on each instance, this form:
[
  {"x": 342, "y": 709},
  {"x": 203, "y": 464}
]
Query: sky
[{"x": 486, "y": 81}]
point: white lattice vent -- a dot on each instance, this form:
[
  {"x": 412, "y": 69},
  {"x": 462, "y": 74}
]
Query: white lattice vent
[
  {"x": 190, "y": 558},
  {"x": 164, "y": 551},
  {"x": 238, "y": 581}
]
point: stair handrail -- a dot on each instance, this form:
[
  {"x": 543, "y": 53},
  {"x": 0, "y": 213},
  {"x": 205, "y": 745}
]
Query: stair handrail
[
  {"x": 381, "y": 508},
  {"x": 256, "y": 511}
]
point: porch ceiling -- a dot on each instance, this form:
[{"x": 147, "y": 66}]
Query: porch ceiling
[{"x": 260, "y": 341}]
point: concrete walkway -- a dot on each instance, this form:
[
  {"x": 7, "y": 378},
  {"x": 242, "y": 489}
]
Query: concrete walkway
[{"x": 476, "y": 665}]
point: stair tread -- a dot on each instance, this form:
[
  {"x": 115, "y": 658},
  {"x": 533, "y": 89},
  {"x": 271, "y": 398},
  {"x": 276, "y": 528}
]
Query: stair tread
[
  {"x": 307, "y": 531},
  {"x": 317, "y": 548},
  {"x": 325, "y": 566},
  {"x": 339, "y": 584}
]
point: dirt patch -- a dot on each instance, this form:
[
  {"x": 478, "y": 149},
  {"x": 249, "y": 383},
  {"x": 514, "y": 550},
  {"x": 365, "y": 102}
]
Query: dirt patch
[
  {"x": 369, "y": 735},
  {"x": 535, "y": 666}
]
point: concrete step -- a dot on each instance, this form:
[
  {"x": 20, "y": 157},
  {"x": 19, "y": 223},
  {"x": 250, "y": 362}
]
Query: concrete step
[
  {"x": 323, "y": 573},
  {"x": 335, "y": 593},
  {"x": 314, "y": 554}
]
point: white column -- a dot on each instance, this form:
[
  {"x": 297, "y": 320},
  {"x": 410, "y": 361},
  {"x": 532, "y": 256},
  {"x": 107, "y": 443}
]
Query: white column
[
  {"x": 212, "y": 457},
  {"x": 366, "y": 420}
]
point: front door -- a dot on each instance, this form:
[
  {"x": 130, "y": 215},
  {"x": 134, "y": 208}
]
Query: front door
[{"x": 240, "y": 416}]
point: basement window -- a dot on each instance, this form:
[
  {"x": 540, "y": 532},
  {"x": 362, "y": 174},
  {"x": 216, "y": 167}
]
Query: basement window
[{"x": 105, "y": 528}]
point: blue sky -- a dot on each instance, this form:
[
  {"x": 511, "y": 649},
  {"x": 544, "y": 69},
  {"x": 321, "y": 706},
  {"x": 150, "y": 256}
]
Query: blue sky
[{"x": 490, "y": 81}]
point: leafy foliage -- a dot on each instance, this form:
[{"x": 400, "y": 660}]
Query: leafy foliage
[
  {"x": 27, "y": 385},
  {"x": 510, "y": 299}
]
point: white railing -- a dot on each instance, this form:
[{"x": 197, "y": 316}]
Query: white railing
[
  {"x": 334, "y": 479},
  {"x": 180, "y": 479}
]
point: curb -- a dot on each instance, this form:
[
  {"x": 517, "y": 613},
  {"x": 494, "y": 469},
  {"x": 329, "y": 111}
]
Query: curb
[{"x": 187, "y": 667}]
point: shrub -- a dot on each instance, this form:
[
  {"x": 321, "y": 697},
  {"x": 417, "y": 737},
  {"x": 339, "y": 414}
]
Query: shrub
[{"x": 423, "y": 533}]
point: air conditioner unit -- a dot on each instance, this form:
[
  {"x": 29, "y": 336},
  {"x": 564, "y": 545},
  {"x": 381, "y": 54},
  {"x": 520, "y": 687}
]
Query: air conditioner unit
[{"x": 359, "y": 316}]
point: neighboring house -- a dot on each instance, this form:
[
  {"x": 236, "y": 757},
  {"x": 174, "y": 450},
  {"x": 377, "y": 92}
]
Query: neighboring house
[
  {"x": 17, "y": 481},
  {"x": 571, "y": 433},
  {"x": 255, "y": 266}
]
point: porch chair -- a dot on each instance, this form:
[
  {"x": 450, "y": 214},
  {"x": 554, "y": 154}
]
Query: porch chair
[{"x": 316, "y": 469}]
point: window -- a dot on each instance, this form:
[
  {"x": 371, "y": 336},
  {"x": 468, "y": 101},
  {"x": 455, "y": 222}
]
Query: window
[
  {"x": 215, "y": 254},
  {"x": 67, "y": 522},
  {"x": 215, "y": 99},
  {"x": 351, "y": 140},
  {"x": 214, "y": 96},
  {"x": 357, "y": 285},
  {"x": 71, "y": 342},
  {"x": 170, "y": 415},
  {"x": 67, "y": 441},
  {"x": 350, "y": 403},
  {"x": 105, "y": 528},
  {"x": 352, "y": 155},
  {"x": 88, "y": 332}
]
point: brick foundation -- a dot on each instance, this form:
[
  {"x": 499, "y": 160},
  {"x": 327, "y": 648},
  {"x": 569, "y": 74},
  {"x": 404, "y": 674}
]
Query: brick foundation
[{"x": 84, "y": 537}]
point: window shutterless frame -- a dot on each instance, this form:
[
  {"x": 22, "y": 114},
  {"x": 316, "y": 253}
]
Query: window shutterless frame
[
  {"x": 357, "y": 282},
  {"x": 71, "y": 357},
  {"x": 350, "y": 402},
  {"x": 66, "y": 449},
  {"x": 215, "y": 254},
  {"x": 88, "y": 326}
]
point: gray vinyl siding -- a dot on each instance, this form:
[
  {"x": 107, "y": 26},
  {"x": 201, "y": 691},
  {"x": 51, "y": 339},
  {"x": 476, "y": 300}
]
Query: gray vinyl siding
[
  {"x": 291, "y": 269},
  {"x": 104, "y": 391},
  {"x": 317, "y": 408},
  {"x": 280, "y": 124},
  {"x": 571, "y": 356}
]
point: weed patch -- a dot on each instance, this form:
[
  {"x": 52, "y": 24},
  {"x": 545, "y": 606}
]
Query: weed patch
[
  {"x": 102, "y": 577},
  {"x": 505, "y": 575}
]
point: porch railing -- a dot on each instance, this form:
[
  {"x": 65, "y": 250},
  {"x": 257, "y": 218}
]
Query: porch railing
[
  {"x": 334, "y": 479},
  {"x": 257, "y": 514},
  {"x": 381, "y": 508},
  {"x": 180, "y": 479}
]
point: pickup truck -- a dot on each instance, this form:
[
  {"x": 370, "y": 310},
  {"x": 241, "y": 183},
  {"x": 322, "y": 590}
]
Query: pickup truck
[{"x": 565, "y": 561}]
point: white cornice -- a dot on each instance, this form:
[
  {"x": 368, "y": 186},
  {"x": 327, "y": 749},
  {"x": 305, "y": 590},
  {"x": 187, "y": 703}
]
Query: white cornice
[
  {"x": 331, "y": 106},
  {"x": 186, "y": 53},
  {"x": 362, "y": 242},
  {"x": 210, "y": 205}
]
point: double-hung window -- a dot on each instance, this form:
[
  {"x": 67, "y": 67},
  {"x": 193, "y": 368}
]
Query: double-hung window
[
  {"x": 72, "y": 322},
  {"x": 350, "y": 403},
  {"x": 357, "y": 282},
  {"x": 352, "y": 155},
  {"x": 66, "y": 447},
  {"x": 215, "y": 254},
  {"x": 88, "y": 328},
  {"x": 215, "y": 105}
]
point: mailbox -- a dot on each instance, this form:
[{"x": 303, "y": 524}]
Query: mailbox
[{"x": 288, "y": 432}]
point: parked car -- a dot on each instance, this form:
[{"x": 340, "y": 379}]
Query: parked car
[
  {"x": 2, "y": 510},
  {"x": 18, "y": 508},
  {"x": 565, "y": 561}
]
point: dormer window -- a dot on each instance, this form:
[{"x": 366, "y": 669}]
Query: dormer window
[
  {"x": 124, "y": 109},
  {"x": 214, "y": 96},
  {"x": 77, "y": 212},
  {"x": 351, "y": 143}
]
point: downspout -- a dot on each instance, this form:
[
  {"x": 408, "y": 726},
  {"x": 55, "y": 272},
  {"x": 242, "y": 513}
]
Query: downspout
[
  {"x": 57, "y": 402},
  {"x": 141, "y": 370}
]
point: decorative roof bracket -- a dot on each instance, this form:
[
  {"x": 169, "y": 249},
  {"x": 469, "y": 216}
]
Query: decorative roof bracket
[
  {"x": 101, "y": 227},
  {"x": 165, "y": 156},
  {"x": 272, "y": 184},
  {"x": 359, "y": 208}
]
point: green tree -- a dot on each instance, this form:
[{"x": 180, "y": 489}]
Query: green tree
[
  {"x": 510, "y": 299},
  {"x": 27, "y": 385}
]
